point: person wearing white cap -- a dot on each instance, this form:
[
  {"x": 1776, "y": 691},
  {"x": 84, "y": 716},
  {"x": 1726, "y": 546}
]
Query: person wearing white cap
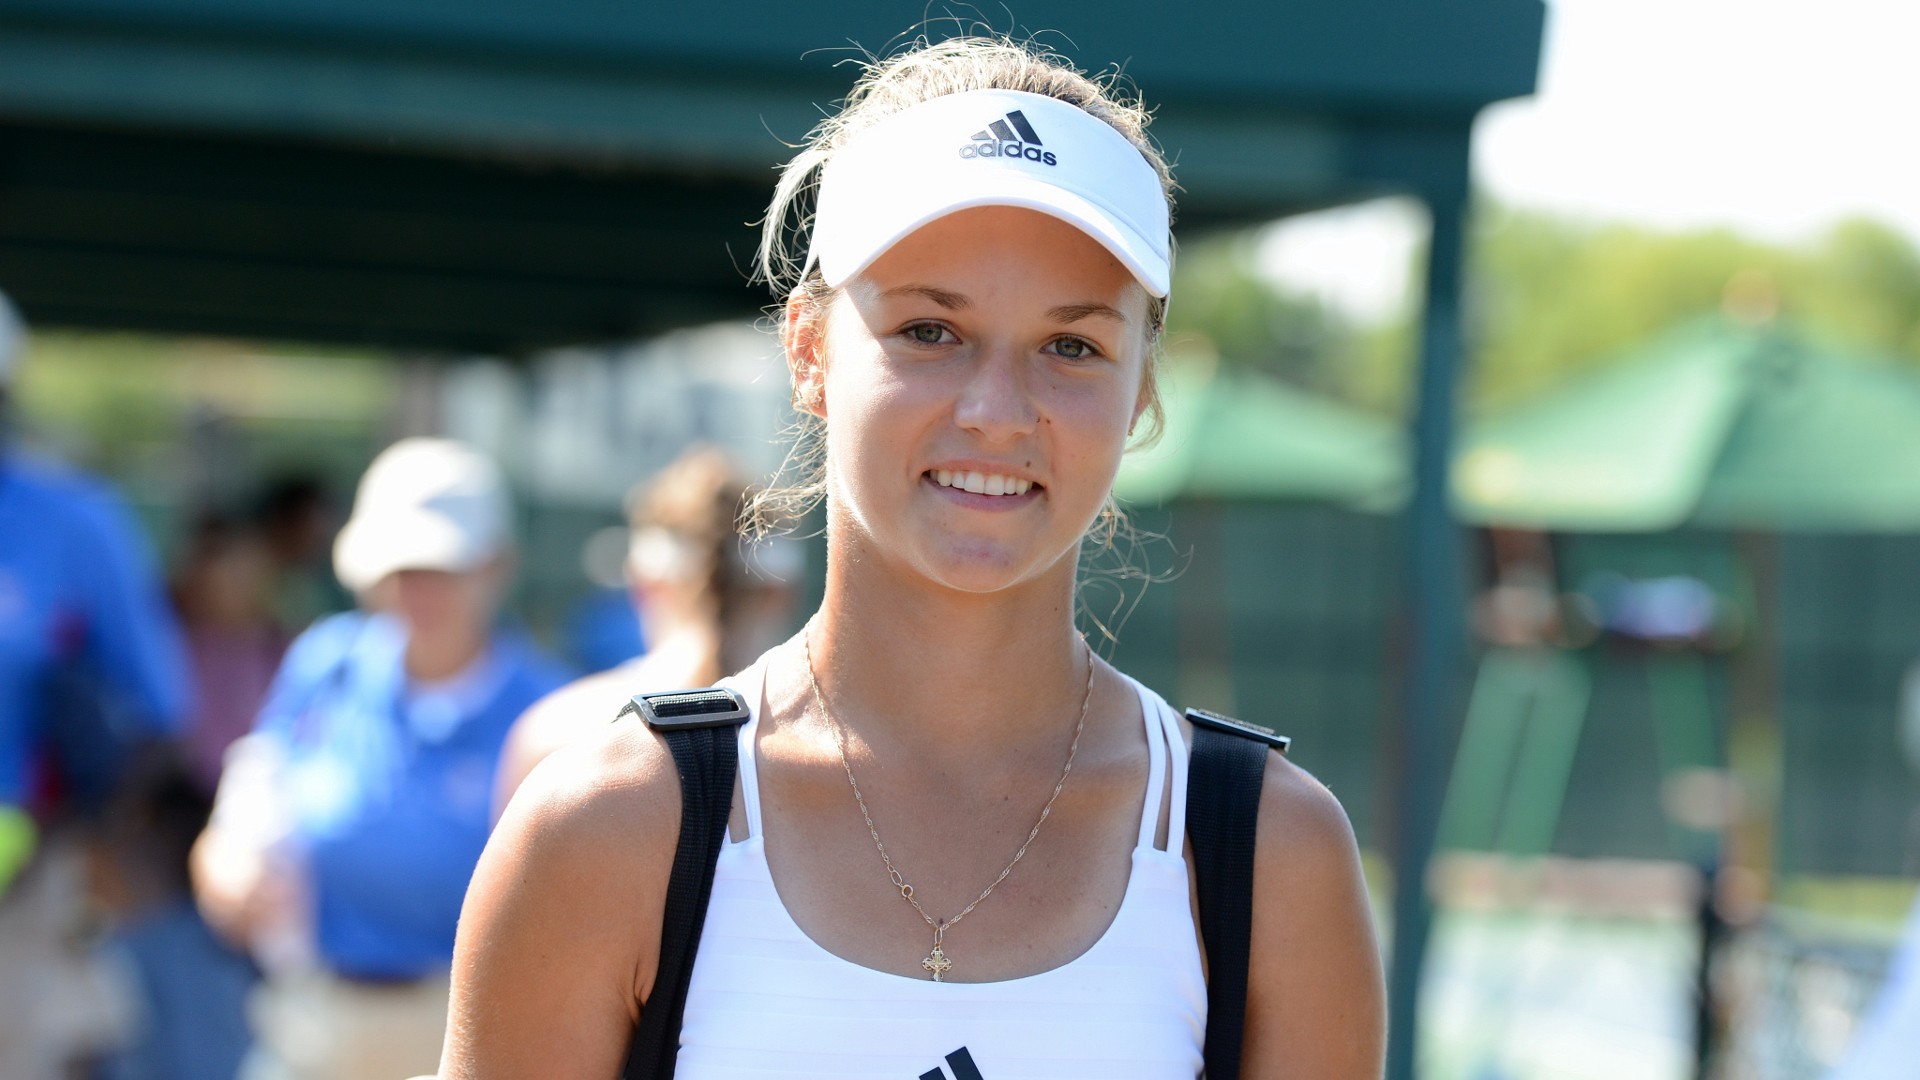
[
  {"x": 347, "y": 824},
  {"x": 91, "y": 663},
  {"x": 958, "y": 841}
]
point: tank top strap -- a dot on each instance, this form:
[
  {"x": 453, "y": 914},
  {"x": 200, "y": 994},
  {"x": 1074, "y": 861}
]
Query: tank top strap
[
  {"x": 1156, "y": 765},
  {"x": 1177, "y": 745},
  {"x": 751, "y": 684}
]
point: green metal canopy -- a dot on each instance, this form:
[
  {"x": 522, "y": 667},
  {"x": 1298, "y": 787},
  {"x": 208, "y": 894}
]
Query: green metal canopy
[
  {"x": 1714, "y": 424},
  {"x": 1237, "y": 435},
  {"x": 494, "y": 175}
]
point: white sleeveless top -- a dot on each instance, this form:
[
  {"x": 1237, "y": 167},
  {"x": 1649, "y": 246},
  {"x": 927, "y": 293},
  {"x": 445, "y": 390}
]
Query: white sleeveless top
[{"x": 766, "y": 1001}]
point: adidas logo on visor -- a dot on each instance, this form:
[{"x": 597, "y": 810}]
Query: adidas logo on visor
[{"x": 1009, "y": 137}]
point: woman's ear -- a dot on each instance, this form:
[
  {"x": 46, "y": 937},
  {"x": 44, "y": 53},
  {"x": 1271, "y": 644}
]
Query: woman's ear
[
  {"x": 801, "y": 336},
  {"x": 1147, "y": 397}
]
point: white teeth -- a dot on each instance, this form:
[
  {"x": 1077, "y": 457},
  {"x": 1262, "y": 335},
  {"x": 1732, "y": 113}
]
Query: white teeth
[{"x": 981, "y": 483}]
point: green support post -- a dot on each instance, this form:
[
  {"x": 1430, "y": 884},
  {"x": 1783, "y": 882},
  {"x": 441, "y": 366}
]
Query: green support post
[{"x": 1438, "y": 646}]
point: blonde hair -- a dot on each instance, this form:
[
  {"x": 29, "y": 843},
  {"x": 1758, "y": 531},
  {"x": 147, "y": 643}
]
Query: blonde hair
[{"x": 889, "y": 85}]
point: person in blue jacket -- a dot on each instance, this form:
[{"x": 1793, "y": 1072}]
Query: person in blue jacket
[
  {"x": 348, "y": 823},
  {"x": 82, "y": 610},
  {"x": 91, "y": 666}
]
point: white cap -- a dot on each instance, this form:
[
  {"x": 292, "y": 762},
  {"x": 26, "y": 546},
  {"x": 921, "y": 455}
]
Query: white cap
[
  {"x": 424, "y": 504},
  {"x": 13, "y": 339},
  {"x": 990, "y": 148}
]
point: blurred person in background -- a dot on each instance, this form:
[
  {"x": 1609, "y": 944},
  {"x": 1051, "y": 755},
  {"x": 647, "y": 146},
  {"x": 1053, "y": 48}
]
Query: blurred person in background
[
  {"x": 189, "y": 988},
  {"x": 1886, "y": 1044},
  {"x": 705, "y": 607},
  {"x": 91, "y": 667},
  {"x": 222, "y": 589},
  {"x": 295, "y": 521},
  {"x": 348, "y": 822}
]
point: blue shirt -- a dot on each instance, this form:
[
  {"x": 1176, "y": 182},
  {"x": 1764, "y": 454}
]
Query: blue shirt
[
  {"x": 80, "y": 605},
  {"x": 389, "y": 784},
  {"x": 603, "y": 631}
]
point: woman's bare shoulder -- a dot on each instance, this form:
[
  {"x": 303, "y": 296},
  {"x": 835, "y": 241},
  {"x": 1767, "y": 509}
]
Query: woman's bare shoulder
[
  {"x": 559, "y": 937},
  {"x": 1302, "y": 824},
  {"x": 608, "y": 791},
  {"x": 1316, "y": 999}
]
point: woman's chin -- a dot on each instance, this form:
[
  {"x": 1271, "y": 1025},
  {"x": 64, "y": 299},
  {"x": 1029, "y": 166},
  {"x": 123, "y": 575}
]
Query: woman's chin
[{"x": 987, "y": 568}]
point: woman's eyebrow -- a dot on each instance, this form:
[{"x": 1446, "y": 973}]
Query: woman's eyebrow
[
  {"x": 1066, "y": 313},
  {"x": 1075, "y": 312},
  {"x": 952, "y": 301}
]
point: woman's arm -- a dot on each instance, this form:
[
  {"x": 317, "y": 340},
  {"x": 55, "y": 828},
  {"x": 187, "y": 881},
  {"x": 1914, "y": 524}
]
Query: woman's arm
[
  {"x": 559, "y": 936},
  {"x": 244, "y": 880},
  {"x": 1316, "y": 1004}
]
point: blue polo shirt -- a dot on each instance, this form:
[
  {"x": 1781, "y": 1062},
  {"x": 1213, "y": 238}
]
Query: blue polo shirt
[
  {"x": 80, "y": 605},
  {"x": 389, "y": 784}
]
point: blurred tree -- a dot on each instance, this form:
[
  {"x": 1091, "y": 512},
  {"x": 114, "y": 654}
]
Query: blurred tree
[
  {"x": 1861, "y": 283},
  {"x": 1553, "y": 297},
  {"x": 1227, "y": 306},
  {"x": 1226, "y": 303},
  {"x": 1550, "y": 297},
  {"x": 184, "y": 424}
]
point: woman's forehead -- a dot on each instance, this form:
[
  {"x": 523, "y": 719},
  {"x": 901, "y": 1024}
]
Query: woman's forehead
[{"x": 1002, "y": 253}]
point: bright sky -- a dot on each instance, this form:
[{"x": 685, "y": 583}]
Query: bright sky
[{"x": 1776, "y": 117}]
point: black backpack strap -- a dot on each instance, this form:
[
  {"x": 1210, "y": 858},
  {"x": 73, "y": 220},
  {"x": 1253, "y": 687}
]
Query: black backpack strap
[
  {"x": 699, "y": 728},
  {"x": 1228, "y": 763}
]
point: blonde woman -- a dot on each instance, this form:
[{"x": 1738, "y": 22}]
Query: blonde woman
[{"x": 957, "y": 844}]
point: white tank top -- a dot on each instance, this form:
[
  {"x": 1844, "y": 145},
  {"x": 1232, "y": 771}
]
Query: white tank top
[{"x": 766, "y": 1001}]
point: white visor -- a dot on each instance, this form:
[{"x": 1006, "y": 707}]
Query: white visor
[{"x": 990, "y": 148}]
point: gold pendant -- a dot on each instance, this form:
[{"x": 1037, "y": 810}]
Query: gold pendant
[{"x": 937, "y": 963}]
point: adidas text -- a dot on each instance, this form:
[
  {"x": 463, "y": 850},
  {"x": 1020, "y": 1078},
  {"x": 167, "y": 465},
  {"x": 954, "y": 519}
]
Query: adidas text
[{"x": 1008, "y": 150}]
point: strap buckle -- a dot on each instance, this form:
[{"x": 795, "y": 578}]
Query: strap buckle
[
  {"x": 679, "y": 710},
  {"x": 1221, "y": 722}
]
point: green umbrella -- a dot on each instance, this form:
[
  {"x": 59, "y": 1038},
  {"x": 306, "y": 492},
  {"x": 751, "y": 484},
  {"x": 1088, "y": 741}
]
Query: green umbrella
[
  {"x": 1239, "y": 435},
  {"x": 1715, "y": 424}
]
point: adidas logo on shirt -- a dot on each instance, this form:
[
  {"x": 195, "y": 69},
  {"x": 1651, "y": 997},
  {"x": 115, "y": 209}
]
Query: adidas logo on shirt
[
  {"x": 1009, "y": 137},
  {"x": 962, "y": 1065}
]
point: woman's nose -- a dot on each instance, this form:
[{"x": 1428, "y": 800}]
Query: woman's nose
[{"x": 997, "y": 399}]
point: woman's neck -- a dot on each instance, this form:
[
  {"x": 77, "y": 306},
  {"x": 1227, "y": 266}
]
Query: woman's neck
[
  {"x": 925, "y": 667},
  {"x": 434, "y": 659}
]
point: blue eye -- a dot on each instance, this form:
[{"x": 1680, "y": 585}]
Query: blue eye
[
  {"x": 1073, "y": 348},
  {"x": 927, "y": 333}
]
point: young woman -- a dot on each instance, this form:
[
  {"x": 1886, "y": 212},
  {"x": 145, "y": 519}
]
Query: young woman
[
  {"x": 705, "y": 609},
  {"x": 957, "y": 839}
]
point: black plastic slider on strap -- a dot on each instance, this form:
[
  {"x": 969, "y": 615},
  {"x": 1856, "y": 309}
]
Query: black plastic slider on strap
[
  {"x": 698, "y": 726},
  {"x": 669, "y": 710},
  {"x": 1220, "y": 722},
  {"x": 1227, "y": 767}
]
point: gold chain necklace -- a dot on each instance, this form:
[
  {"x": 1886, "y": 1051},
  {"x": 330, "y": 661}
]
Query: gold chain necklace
[{"x": 937, "y": 961}]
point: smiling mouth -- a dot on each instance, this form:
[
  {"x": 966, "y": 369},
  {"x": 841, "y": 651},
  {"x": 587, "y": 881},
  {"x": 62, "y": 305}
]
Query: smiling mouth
[{"x": 980, "y": 483}]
